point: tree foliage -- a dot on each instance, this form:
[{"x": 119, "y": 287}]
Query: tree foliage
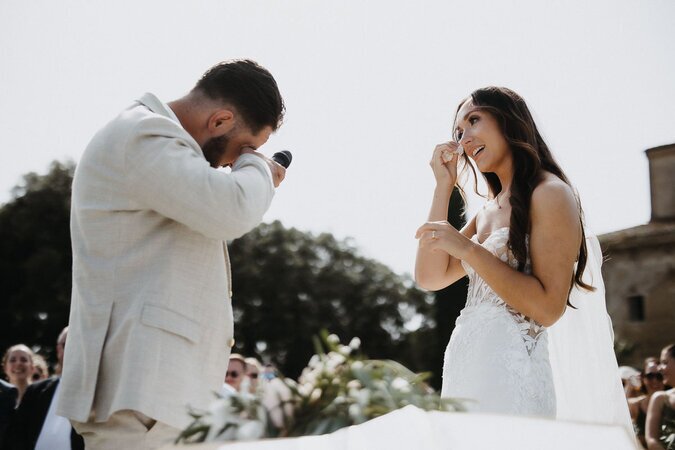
[
  {"x": 36, "y": 259},
  {"x": 290, "y": 284}
]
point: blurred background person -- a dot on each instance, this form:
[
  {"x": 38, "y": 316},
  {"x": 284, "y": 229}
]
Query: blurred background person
[
  {"x": 60, "y": 347},
  {"x": 8, "y": 394},
  {"x": 36, "y": 425},
  {"x": 236, "y": 371},
  {"x": 18, "y": 366},
  {"x": 660, "y": 432},
  {"x": 253, "y": 369},
  {"x": 652, "y": 382},
  {"x": 630, "y": 379},
  {"x": 269, "y": 372},
  {"x": 41, "y": 369}
]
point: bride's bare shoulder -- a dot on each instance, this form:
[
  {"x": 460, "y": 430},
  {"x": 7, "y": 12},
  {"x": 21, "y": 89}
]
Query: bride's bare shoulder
[
  {"x": 554, "y": 203},
  {"x": 553, "y": 193}
]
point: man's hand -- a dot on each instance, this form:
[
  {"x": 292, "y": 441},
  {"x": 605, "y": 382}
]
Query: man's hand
[{"x": 278, "y": 171}]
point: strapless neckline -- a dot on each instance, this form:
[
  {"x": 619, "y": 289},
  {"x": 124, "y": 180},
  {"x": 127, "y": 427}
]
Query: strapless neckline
[{"x": 494, "y": 233}]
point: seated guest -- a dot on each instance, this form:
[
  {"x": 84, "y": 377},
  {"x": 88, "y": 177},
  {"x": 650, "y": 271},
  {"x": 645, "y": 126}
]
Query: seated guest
[
  {"x": 252, "y": 374},
  {"x": 269, "y": 372},
  {"x": 60, "y": 348},
  {"x": 36, "y": 425},
  {"x": 41, "y": 371},
  {"x": 8, "y": 394},
  {"x": 660, "y": 433},
  {"x": 652, "y": 382},
  {"x": 18, "y": 366},
  {"x": 630, "y": 379},
  {"x": 236, "y": 371}
]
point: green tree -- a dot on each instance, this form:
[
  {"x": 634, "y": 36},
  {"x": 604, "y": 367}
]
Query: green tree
[
  {"x": 35, "y": 259},
  {"x": 289, "y": 284}
]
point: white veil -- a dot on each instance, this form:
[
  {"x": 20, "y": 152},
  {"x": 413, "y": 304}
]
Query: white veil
[{"x": 581, "y": 345}]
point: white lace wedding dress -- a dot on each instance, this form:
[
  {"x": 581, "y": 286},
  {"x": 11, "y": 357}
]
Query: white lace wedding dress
[{"x": 497, "y": 358}]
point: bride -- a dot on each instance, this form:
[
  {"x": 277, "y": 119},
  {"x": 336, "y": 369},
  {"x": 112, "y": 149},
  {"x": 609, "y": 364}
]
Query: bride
[{"x": 526, "y": 255}]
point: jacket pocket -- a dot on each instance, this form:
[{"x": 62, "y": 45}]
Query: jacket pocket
[{"x": 171, "y": 321}]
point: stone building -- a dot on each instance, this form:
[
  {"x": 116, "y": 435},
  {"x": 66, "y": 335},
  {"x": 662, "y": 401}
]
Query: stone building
[{"x": 639, "y": 273}]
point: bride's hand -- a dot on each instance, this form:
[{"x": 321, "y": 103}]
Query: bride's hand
[
  {"x": 441, "y": 236},
  {"x": 444, "y": 164}
]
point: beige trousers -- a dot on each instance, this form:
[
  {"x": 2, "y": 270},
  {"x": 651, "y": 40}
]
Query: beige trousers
[{"x": 126, "y": 430}]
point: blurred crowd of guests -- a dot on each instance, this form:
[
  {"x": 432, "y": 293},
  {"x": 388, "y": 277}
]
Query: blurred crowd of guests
[
  {"x": 651, "y": 399},
  {"x": 28, "y": 397},
  {"x": 28, "y": 402},
  {"x": 246, "y": 374}
]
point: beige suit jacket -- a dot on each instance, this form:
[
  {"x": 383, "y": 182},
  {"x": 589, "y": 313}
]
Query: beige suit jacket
[{"x": 151, "y": 318}]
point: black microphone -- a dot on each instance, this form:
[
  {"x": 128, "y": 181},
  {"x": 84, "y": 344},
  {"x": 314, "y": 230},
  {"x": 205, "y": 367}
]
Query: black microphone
[{"x": 283, "y": 157}]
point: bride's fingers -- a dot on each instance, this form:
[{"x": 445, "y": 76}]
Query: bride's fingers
[
  {"x": 437, "y": 156},
  {"x": 419, "y": 234},
  {"x": 421, "y": 230},
  {"x": 432, "y": 231},
  {"x": 427, "y": 238}
]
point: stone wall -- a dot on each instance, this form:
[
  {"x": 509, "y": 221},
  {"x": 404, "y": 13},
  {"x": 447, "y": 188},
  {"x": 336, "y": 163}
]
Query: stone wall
[{"x": 640, "y": 287}]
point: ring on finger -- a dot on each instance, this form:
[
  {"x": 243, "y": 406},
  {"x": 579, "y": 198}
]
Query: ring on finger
[{"x": 433, "y": 234}]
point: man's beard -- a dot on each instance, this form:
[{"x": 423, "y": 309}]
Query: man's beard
[{"x": 214, "y": 149}]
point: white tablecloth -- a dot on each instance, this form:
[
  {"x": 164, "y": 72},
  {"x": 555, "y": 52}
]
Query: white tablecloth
[{"x": 413, "y": 429}]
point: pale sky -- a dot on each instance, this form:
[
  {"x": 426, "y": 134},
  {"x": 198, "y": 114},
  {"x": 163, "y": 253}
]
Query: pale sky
[{"x": 370, "y": 88}]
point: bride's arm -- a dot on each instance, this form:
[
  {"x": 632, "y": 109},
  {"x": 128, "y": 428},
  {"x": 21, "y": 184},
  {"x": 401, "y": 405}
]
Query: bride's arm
[
  {"x": 436, "y": 270},
  {"x": 555, "y": 238}
]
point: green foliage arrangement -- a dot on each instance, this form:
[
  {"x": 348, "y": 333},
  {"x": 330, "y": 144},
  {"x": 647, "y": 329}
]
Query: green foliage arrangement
[{"x": 338, "y": 388}]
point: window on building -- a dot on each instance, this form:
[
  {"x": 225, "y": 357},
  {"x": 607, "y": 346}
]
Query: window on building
[{"x": 636, "y": 308}]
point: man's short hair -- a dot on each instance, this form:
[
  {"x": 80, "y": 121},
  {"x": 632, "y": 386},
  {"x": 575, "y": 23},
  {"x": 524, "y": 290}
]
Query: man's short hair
[{"x": 248, "y": 87}]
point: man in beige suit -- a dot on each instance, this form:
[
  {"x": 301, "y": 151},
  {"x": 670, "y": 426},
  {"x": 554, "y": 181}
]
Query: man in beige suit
[{"x": 151, "y": 317}]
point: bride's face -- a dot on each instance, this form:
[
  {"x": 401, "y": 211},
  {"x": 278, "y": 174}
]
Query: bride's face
[{"x": 481, "y": 136}]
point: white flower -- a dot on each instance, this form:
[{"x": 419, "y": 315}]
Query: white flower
[
  {"x": 356, "y": 413},
  {"x": 305, "y": 389},
  {"x": 250, "y": 430},
  {"x": 314, "y": 361},
  {"x": 345, "y": 350},
  {"x": 333, "y": 339},
  {"x": 334, "y": 360},
  {"x": 316, "y": 395},
  {"x": 309, "y": 376},
  {"x": 400, "y": 384},
  {"x": 354, "y": 384},
  {"x": 357, "y": 365},
  {"x": 362, "y": 397},
  {"x": 355, "y": 343}
]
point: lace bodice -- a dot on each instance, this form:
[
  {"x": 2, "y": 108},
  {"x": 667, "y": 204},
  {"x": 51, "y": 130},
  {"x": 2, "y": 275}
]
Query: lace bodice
[{"x": 481, "y": 293}]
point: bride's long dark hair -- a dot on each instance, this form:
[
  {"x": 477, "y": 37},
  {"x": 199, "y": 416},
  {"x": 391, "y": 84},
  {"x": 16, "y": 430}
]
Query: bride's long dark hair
[{"x": 531, "y": 159}]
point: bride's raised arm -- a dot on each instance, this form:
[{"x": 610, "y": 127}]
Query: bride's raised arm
[{"x": 435, "y": 269}]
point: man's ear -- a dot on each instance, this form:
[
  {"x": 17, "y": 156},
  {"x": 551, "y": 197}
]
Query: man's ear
[{"x": 221, "y": 122}]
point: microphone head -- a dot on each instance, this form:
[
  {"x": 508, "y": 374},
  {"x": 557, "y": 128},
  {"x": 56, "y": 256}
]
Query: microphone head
[{"x": 283, "y": 157}]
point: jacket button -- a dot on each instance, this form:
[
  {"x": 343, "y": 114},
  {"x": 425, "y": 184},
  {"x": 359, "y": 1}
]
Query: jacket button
[
  {"x": 230, "y": 343},
  {"x": 230, "y": 294}
]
